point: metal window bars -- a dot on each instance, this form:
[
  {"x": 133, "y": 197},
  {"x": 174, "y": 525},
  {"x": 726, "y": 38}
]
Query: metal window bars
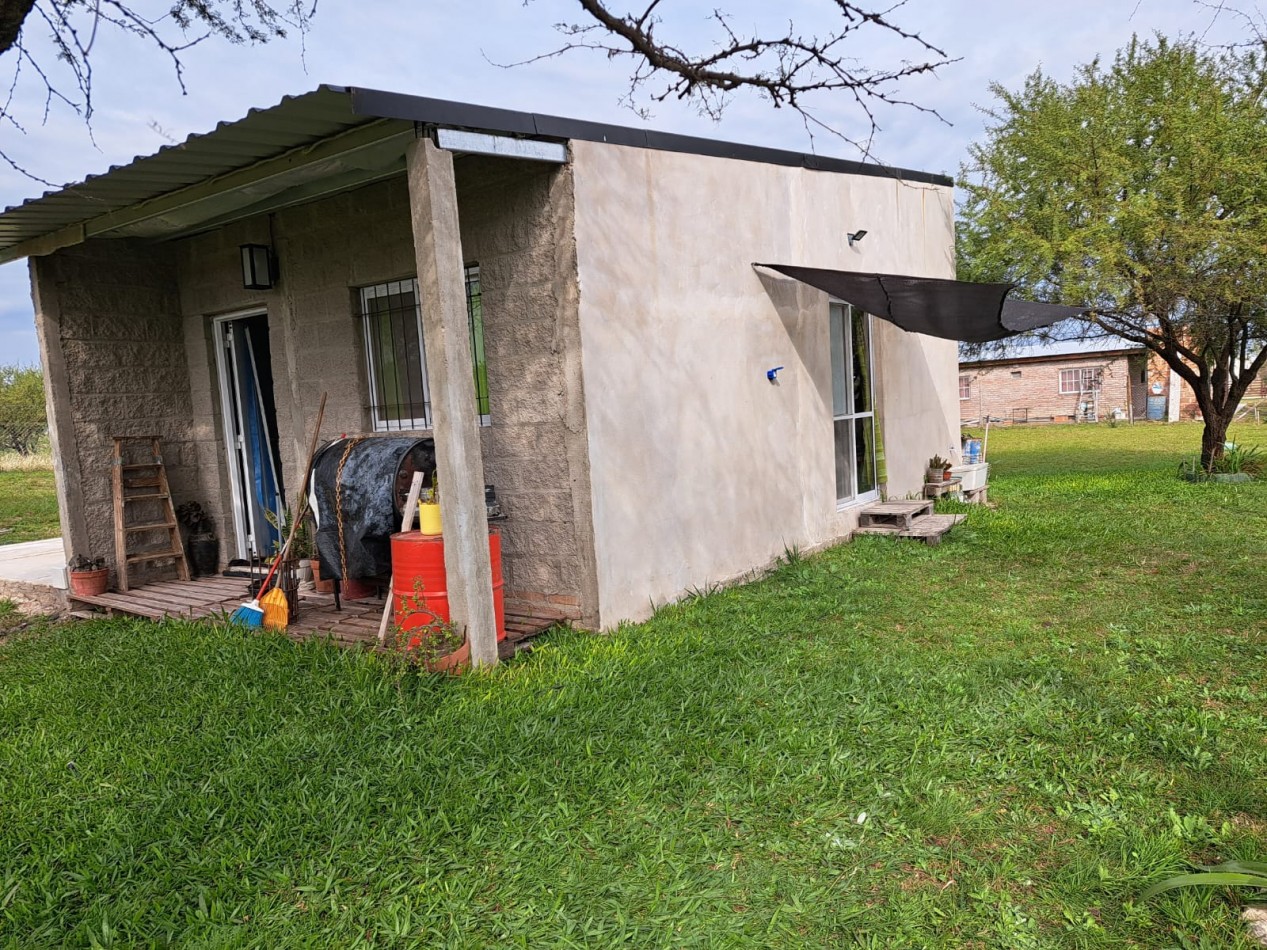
[{"x": 400, "y": 397}]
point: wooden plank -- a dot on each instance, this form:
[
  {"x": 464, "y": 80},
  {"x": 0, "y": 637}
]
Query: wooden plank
[
  {"x": 932, "y": 528},
  {"x": 121, "y": 603},
  {"x": 877, "y": 529}
]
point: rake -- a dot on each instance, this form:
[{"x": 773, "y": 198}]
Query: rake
[{"x": 276, "y": 614}]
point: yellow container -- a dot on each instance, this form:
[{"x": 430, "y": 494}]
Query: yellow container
[{"x": 429, "y": 518}]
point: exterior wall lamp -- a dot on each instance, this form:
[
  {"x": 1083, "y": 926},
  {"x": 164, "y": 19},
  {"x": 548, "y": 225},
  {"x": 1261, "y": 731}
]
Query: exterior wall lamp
[
  {"x": 259, "y": 271},
  {"x": 856, "y": 236}
]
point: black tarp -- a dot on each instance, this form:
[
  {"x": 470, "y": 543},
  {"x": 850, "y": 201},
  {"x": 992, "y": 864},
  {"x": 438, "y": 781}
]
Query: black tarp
[
  {"x": 950, "y": 309},
  {"x": 369, "y": 494}
]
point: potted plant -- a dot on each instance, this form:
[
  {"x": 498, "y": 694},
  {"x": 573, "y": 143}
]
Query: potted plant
[
  {"x": 938, "y": 470},
  {"x": 88, "y": 576},
  {"x": 423, "y": 639},
  {"x": 201, "y": 544},
  {"x": 302, "y": 549}
]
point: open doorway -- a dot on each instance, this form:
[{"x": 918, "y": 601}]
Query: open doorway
[{"x": 250, "y": 430}]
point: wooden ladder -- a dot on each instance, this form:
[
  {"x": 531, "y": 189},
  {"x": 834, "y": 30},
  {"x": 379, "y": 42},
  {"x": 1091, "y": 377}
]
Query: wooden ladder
[{"x": 143, "y": 485}]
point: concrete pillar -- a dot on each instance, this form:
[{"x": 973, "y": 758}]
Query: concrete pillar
[
  {"x": 455, "y": 421},
  {"x": 61, "y": 425}
]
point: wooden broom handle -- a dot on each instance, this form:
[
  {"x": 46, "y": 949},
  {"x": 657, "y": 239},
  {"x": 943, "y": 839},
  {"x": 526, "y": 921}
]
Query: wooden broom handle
[{"x": 303, "y": 494}]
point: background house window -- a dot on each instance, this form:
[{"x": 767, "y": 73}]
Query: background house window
[
  {"x": 1016, "y": 374},
  {"x": 1083, "y": 379},
  {"x": 965, "y": 387},
  {"x": 400, "y": 398},
  {"x": 853, "y": 404}
]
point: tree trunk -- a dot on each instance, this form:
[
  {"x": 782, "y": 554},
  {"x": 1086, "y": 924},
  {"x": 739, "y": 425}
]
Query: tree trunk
[
  {"x": 1214, "y": 434},
  {"x": 13, "y": 14}
]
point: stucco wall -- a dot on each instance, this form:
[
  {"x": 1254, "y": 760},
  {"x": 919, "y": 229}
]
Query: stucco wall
[
  {"x": 1029, "y": 390},
  {"x": 701, "y": 469},
  {"x": 108, "y": 321},
  {"x": 516, "y": 221}
]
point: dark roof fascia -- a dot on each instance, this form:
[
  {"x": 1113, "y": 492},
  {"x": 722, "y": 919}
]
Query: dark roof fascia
[
  {"x": 425, "y": 111},
  {"x": 1066, "y": 358}
]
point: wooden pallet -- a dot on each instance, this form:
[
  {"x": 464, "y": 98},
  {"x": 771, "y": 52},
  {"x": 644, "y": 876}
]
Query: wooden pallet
[
  {"x": 887, "y": 517},
  {"x": 906, "y": 519}
]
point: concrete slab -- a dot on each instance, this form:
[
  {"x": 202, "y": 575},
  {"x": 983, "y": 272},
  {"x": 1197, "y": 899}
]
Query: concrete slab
[{"x": 34, "y": 562}]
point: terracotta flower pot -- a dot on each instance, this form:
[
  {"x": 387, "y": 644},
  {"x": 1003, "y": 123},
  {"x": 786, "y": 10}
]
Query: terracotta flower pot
[
  {"x": 322, "y": 586},
  {"x": 89, "y": 583},
  {"x": 453, "y": 663}
]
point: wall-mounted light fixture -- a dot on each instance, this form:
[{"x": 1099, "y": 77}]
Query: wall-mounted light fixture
[
  {"x": 258, "y": 271},
  {"x": 855, "y": 236}
]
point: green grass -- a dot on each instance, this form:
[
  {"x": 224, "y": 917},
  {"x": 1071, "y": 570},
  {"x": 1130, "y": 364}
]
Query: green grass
[
  {"x": 1059, "y": 705},
  {"x": 28, "y": 506}
]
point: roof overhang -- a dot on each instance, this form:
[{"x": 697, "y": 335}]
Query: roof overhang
[
  {"x": 949, "y": 309},
  {"x": 325, "y": 141}
]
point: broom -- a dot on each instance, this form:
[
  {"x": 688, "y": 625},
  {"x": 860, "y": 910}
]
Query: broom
[{"x": 276, "y": 608}]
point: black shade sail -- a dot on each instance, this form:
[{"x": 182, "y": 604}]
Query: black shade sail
[{"x": 950, "y": 309}]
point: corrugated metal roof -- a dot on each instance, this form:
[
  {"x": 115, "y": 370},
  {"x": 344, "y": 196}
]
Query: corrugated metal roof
[
  {"x": 336, "y": 135},
  {"x": 1050, "y": 349},
  {"x": 263, "y": 133}
]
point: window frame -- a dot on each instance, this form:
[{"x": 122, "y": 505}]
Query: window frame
[
  {"x": 1096, "y": 374},
  {"x": 378, "y": 419},
  {"x": 474, "y": 309},
  {"x": 965, "y": 387},
  {"x": 850, "y": 413}
]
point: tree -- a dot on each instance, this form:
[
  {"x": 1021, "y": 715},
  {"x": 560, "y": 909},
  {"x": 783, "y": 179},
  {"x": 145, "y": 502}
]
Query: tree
[
  {"x": 22, "y": 418},
  {"x": 1139, "y": 189},
  {"x": 788, "y": 67},
  {"x": 73, "y": 26}
]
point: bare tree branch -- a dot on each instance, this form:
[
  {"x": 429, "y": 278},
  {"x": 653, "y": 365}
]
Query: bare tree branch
[
  {"x": 73, "y": 27},
  {"x": 788, "y": 68}
]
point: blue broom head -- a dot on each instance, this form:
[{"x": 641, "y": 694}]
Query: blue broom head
[{"x": 248, "y": 615}]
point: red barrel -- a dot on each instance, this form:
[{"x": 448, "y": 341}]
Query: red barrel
[{"x": 420, "y": 557}]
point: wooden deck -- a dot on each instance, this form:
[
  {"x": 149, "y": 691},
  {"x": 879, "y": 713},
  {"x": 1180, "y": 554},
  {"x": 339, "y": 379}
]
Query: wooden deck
[{"x": 357, "y": 622}]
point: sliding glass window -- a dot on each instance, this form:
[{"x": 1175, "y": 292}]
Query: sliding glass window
[{"x": 853, "y": 404}]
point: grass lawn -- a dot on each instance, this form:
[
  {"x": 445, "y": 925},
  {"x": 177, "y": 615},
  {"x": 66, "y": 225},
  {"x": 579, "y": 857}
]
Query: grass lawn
[
  {"x": 28, "y": 506},
  {"x": 995, "y": 743}
]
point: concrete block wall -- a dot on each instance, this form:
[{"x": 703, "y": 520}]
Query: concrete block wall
[
  {"x": 112, "y": 341},
  {"x": 517, "y": 221},
  {"x": 998, "y": 390}
]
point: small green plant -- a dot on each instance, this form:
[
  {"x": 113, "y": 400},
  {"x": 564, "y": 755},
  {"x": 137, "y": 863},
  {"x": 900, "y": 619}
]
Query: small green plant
[
  {"x": 1237, "y": 459},
  {"x": 195, "y": 520},
  {"x": 422, "y": 637},
  {"x": 1251, "y": 874},
  {"x": 80, "y": 563},
  {"x": 301, "y": 547}
]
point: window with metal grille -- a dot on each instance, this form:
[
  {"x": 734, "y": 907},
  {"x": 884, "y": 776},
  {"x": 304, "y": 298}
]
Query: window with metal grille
[
  {"x": 475, "y": 311},
  {"x": 1083, "y": 379},
  {"x": 391, "y": 316},
  {"x": 965, "y": 387}
]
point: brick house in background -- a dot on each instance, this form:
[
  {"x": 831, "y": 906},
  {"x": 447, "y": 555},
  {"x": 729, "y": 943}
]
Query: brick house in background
[{"x": 1068, "y": 381}]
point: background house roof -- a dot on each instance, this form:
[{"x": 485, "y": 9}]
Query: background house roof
[
  {"x": 1040, "y": 349},
  {"x": 330, "y": 139}
]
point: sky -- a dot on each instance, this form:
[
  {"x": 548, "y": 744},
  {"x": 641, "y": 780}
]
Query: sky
[{"x": 462, "y": 51}]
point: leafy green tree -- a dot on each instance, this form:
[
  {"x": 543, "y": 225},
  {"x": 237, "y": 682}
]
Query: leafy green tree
[
  {"x": 23, "y": 421},
  {"x": 1139, "y": 189}
]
